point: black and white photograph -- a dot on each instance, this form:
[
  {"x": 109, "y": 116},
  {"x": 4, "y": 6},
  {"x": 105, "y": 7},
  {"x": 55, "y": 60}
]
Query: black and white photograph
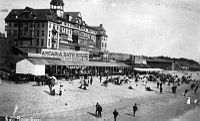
[{"x": 99, "y": 60}]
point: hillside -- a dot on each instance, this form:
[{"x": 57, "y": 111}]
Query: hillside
[{"x": 183, "y": 63}]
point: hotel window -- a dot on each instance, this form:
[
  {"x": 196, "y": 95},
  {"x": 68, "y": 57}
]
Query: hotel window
[
  {"x": 49, "y": 25},
  {"x": 31, "y": 33},
  {"x": 42, "y": 24},
  {"x": 42, "y": 43},
  {"x": 9, "y": 32},
  {"x": 31, "y": 43},
  {"x": 38, "y": 41},
  {"x": 42, "y": 32},
  {"x": 102, "y": 45},
  {"x": 38, "y": 33},
  {"x": 32, "y": 25},
  {"x": 15, "y": 24},
  {"x": 49, "y": 43},
  {"x": 105, "y": 45},
  {"x": 15, "y": 32},
  {"x": 49, "y": 33},
  {"x": 26, "y": 16},
  {"x": 9, "y": 24},
  {"x": 38, "y": 24},
  {"x": 57, "y": 27}
]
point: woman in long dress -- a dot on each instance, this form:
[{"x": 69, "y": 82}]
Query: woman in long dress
[{"x": 188, "y": 100}]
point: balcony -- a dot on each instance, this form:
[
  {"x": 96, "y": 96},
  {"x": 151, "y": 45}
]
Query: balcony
[
  {"x": 82, "y": 37},
  {"x": 62, "y": 34}
]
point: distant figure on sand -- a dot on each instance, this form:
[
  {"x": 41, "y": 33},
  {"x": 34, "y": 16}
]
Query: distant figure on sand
[
  {"x": 97, "y": 109},
  {"x": 115, "y": 113},
  {"x": 158, "y": 84},
  {"x": 196, "y": 88},
  {"x": 161, "y": 89},
  {"x": 100, "y": 78},
  {"x": 195, "y": 101},
  {"x": 174, "y": 89},
  {"x": 60, "y": 90},
  {"x": 192, "y": 86},
  {"x": 186, "y": 91},
  {"x": 188, "y": 100},
  {"x": 91, "y": 80},
  {"x": 134, "y": 109},
  {"x": 136, "y": 80}
]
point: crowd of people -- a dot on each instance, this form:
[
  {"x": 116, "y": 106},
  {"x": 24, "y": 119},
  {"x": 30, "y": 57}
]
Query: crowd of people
[
  {"x": 169, "y": 79},
  {"x": 158, "y": 78}
]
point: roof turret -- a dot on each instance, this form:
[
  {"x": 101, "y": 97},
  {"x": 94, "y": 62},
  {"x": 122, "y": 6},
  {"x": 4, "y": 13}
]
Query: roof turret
[{"x": 57, "y": 2}]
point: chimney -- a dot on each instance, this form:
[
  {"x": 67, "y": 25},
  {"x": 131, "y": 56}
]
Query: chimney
[{"x": 101, "y": 25}]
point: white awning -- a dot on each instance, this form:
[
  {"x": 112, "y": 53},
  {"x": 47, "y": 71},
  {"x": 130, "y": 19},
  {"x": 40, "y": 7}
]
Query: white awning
[{"x": 148, "y": 69}]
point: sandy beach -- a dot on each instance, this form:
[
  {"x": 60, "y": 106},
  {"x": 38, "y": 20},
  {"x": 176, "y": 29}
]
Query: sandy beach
[{"x": 29, "y": 100}]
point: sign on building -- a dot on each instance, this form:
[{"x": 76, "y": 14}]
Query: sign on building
[{"x": 67, "y": 55}]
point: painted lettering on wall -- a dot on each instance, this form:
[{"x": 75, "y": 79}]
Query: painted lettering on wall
[{"x": 68, "y": 55}]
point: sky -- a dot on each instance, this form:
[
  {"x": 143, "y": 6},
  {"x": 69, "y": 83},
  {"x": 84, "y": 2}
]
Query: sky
[{"x": 139, "y": 27}]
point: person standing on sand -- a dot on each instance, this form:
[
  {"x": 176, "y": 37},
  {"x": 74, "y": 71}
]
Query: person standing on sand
[
  {"x": 115, "y": 113},
  {"x": 136, "y": 80},
  {"x": 158, "y": 84},
  {"x": 161, "y": 89},
  {"x": 97, "y": 109},
  {"x": 188, "y": 100},
  {"x": 91, "y": 80},
  {"x": 195, "y": 101},
  {"x": 100, "y": 79},
  {"x": 100, "y": 110},
  {"x": 196, "y": 88},
  {"x": 134, "y": 109},
  {"x": 186, "y": 91}
]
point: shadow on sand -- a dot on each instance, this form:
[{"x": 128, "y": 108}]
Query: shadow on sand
[
  {"x": 92, "y": 114},
  {"x": 47, "y": 92},
  {"x": 129, "y": 114}
]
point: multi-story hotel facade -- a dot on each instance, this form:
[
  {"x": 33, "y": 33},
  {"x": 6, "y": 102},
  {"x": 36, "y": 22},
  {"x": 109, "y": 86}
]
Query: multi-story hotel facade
[
  {"x": 59, "y": 42},
  {"x": 34, "y": 29}
]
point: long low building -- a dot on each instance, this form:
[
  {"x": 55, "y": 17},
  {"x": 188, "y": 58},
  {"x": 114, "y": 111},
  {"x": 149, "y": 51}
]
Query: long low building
[
  {"x": 58, "y": 67},
  {"x": 160, "y": 63}
]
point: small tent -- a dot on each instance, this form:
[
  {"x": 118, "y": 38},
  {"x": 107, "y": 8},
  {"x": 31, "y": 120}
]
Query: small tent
[{"x": 25, "y": 66}]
